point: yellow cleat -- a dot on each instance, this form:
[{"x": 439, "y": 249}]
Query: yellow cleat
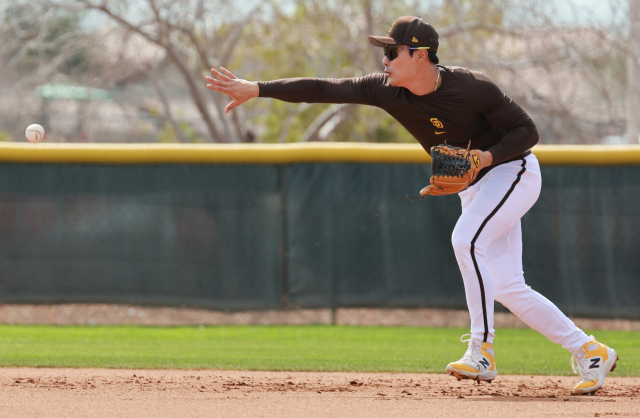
[
  {"x": 478, "y": 362},
  {"x": 596, "y": 361}
]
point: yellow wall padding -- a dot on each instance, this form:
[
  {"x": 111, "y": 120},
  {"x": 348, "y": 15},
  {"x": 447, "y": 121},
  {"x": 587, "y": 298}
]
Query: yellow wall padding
[{"x": 286, "y": 153}]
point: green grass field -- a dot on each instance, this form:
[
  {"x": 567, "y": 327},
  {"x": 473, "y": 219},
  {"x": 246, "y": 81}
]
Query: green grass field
[{"x": 313, "y": 348}]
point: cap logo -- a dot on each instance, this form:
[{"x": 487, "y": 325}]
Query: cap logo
[
  {"x": 414, "y": 39},
  {"x": 391, "y": 28}
]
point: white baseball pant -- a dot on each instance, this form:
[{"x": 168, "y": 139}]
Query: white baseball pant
[{"x": 487, "y": 242}]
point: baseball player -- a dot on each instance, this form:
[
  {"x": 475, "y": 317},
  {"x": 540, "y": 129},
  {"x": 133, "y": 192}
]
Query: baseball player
[{"x": 435, "y": 102}]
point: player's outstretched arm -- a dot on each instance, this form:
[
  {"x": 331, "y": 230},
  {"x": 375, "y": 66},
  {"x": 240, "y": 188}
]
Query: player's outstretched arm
[{"x": 238, "y": 89}]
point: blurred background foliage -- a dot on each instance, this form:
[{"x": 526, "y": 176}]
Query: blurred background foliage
[{"x": 564, "y": 64}]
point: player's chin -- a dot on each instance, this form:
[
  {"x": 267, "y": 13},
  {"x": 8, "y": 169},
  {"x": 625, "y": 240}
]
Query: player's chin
[{"x": 394, "y": 80}]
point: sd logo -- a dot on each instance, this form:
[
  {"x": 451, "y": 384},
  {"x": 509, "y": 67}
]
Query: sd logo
[{"x": 436, "y": 123}]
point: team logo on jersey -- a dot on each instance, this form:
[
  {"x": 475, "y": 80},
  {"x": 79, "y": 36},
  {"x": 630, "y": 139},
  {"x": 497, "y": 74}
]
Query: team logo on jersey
[
  {"x": 436, "y": 123},
  {"x": 594, "y": 363},
  {"x": 485, "y": 362}
]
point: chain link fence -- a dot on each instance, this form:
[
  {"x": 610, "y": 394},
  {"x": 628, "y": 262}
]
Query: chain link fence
[{"x": 246, "y": 237}]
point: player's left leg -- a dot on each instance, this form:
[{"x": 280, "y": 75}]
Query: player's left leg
[{"x": 504, "y": 257}]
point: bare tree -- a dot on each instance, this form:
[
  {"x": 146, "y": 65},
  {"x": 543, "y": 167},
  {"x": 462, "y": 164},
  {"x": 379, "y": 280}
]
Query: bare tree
[
  {"x": 193, "y": 39},
  {"x": 41, "y": 46},
  {"x": 564, "y": 72},
  {"x": 561, "y": 67},
  {"x": 569, "y": 75}
]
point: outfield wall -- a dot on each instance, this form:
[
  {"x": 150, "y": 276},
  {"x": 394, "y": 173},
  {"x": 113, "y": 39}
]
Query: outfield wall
[{"x": 311, "y": 225}]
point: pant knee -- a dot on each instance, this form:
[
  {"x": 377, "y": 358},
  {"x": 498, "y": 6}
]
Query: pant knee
[
  {"x": 461, "y": 243},
  {"x": 464, "y": 246},
  {"x": 511, "y": 295}
]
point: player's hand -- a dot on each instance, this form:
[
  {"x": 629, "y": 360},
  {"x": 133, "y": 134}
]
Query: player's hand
[
  {"x": 238, "y": 89},
  {"x": 486, "y": 159}
]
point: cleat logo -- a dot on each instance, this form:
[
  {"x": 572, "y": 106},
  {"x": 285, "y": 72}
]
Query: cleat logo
[
  {"x": 485, "y": 363},
  {"x": 594, "y": 363}
]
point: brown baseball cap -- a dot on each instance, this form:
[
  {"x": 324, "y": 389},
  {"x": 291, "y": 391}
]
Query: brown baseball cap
[{"x": 409, "y": 30}]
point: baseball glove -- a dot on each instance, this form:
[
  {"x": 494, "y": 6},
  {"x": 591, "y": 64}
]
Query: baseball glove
[{"x": 453, "y": 169}]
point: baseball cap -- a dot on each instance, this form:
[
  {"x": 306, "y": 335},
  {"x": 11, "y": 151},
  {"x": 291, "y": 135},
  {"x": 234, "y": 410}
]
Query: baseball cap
[{"x": 409, "y": 30}]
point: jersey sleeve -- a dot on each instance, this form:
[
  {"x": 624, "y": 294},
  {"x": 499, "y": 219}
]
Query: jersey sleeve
[
  {"x": 500, "y": 110},
  {"x": 365, "y": 90}
]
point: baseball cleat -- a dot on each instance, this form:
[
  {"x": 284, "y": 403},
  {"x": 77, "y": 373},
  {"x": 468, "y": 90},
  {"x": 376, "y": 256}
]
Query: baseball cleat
[
  {"x": 598, "y": 360},
  {"x": 478, "y": 362}
]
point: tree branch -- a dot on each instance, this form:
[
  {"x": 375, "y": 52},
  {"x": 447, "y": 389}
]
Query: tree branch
[{"x": 337, "y": 110}]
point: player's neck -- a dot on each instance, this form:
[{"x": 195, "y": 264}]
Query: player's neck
[{"x": 426, "y": 81}]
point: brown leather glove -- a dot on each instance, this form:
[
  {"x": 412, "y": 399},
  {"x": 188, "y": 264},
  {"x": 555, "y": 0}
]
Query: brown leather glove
[{"x": 453, "y": 169}]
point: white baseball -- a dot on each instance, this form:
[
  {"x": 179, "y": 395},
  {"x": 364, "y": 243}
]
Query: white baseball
[{"x": 34, "y": 133}]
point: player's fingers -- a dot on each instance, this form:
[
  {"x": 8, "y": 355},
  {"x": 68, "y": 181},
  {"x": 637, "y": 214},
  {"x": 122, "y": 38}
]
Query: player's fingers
[
  {"x": 221, "y": 89},
  {"x": 227, "y": 72},
  {"x": 220, "y": 75},
  {"x": 230, "y": 106},
  {"x": 220, "y": 81},
  {"x": 217, "y": 82}
]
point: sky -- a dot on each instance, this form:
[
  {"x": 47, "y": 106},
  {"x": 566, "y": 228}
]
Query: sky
[
  {"x": 581, "y": 12},
  {"x": 612, "y": 12}
]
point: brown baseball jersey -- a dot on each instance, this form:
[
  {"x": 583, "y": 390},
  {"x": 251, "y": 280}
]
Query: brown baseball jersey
[{"x": 466, "y": 107}]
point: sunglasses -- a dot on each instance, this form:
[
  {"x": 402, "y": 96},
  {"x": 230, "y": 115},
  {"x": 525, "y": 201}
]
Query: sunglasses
[{"x": 391, "y": 52}]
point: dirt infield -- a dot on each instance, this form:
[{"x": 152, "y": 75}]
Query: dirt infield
[
  {"x": 58, "y": 393},
  {"x": 28, "y": 392}
]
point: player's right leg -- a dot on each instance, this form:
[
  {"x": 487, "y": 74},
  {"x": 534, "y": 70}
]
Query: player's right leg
[
  {"x": 490, "y": 208},
  {"x": 477, "y": 363}
]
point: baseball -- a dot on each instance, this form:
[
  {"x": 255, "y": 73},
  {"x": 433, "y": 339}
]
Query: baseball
[{"x": 34, "y": 133}]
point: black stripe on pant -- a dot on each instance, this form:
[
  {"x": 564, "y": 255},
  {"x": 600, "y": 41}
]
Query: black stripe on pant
[{"x": 473, "y": 247}]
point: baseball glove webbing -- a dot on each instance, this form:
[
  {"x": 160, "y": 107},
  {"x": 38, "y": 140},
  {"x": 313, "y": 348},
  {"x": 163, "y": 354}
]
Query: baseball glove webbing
[{"x": 453, "y": 169}]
